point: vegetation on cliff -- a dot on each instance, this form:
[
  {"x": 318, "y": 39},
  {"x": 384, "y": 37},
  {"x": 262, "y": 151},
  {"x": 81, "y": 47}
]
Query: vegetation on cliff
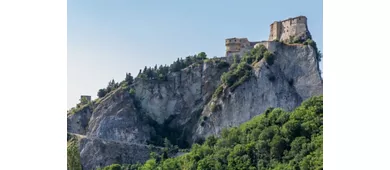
[
  {"x": 241, "y": 70},
  {"x": 275, "y": 139},
  {"x": 161, "y": 72},
  {"x": 73, "y": 155}
]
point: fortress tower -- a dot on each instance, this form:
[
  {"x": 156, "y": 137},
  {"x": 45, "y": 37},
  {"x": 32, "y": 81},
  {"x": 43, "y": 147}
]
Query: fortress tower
[
  {"x": 290, "y": 29},
  {"x": 235, "y": 45}
]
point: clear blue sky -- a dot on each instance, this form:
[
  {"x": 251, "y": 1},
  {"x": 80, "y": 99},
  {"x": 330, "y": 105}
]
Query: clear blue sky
[{"x": 106, "y": 39}]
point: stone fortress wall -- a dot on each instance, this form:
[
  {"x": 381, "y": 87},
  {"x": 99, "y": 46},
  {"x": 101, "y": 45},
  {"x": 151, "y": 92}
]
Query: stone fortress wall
[
  {"x": 292, "y": 27},
  {"x": 284, "y": 31}
]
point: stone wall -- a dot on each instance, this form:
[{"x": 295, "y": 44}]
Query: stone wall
[
  {"x": 289, "y": 28},
  {"x": 235, "y": 45},
  {"x": 270, "y": 45}
]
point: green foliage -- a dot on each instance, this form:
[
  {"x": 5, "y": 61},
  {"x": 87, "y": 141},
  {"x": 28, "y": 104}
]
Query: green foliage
[
  {"x": 319, "y": 55},
  {"x": 180, "y": 63},
  {"x": 314, "y": 45},
  {"x": 113, "y": 167},
  {"x": 176, "y": 136},
  {"x": 79, "y": 107},
  {"x": 84, "y": 100},
  {"x": 222, "y": 64},
  {"x": 73, "y": 155},
  {"x": 129, "y": 79},
  {"x": 273, "y": 140},
  {"x": 258, "y": 53},
  {"x": 215, "y": 107},
  {"x": 309, "y": 42},
  {"x": 101, "y": 93},
  {"x": 132, "y": 92},
  {"x": 112, "y": 85},
  {"x": 157, "y": 73},
  {"x": 217, "y": 92},
  {"x": 269, "y": 57},
  {"x": 240, "y": 72},
  {"x": 237, "y": 76}
]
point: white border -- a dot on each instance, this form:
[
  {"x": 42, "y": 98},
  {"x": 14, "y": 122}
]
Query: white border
[
  {"x": 356, "y": 85},
  {"x": 33, "y": 84}
]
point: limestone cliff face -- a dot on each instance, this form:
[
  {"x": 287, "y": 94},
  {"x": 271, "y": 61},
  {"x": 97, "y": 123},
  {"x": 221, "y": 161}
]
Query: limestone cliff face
[
  {"x": 119, "y": 128},
  {"x": 115, "y": 132},
  {"x": 78, "y": 122},
  {"x": 182, "y": 95},
  {"x": 293, "y": 77}
]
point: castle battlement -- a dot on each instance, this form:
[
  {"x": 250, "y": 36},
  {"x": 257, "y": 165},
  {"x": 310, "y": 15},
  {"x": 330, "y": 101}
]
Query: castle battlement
[
  {"x": 285, "y": 31},
  {"x": 234, "y": 45},
  {"x": 292, "y": 28}
]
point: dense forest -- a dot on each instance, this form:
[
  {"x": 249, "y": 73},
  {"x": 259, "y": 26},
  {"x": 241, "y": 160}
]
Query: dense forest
[{"x": 275, "y": 139}]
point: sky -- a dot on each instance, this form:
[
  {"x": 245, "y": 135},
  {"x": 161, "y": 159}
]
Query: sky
[{"x": 107, "y": 39}]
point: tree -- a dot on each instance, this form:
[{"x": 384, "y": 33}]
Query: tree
[
  {"x": 129, "y": 79},
  {"x": 113, "y": 167},
  {"x": 73, "y": 155},
  {"x": 202, "y": 56},
  {"x": 101, "y": 93},
  {"x": 319, "y": 55},
  {"x": 111, "y": 85},
  {"x": 132, "y": 92},
  {"x": 273, "y": 140},
  {"x": 145, "y": 69},
  {"x": 269, "y": 57}
]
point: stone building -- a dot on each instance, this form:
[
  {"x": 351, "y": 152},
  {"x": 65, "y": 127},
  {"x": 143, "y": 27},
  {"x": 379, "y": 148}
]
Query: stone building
[
  {"x": 85, "y": 96},
  {"x": 289, "y": 29},
  {"x": 235, "y": 45}
]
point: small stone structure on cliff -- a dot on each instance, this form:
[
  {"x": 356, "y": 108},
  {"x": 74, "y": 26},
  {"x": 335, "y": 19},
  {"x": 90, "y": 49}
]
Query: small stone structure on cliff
[
  {"x": 289, "y": 30},
  {"x": 88, "y": 98}
]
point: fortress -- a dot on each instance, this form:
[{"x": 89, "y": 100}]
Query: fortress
[{"x": 289, "y": 30}]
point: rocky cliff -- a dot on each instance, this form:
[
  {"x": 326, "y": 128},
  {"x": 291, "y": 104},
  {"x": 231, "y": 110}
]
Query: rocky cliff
[
  {"x": 119, "y": 127},
  {"x": 293, "y": 78}
]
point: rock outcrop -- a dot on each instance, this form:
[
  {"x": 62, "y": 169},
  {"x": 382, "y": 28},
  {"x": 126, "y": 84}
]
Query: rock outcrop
[
  {"x": 119, "y": 128},
  {"x": 294, "y": 77}
]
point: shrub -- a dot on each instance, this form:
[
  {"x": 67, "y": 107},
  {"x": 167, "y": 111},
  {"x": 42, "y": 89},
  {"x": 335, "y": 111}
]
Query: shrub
[
  {"x": 129, "y": 79},
  {"x": 273, "y": 140},
  {"x": 222, "y": 64},
  {"x": 218, "y": 92},
  {"x": 212, "y": 107},
  {"x": 269, "y": 57},
  {"x": 101, "y": 93},
  {"x": 215, "y": 107},
  {"x": 309, "y": 42},
  {"x": 297, "y": 39},
  {"x": 132, "y": 92},
  {"x": 73, "y": 155},
  {"x": 113, "y": 167}
]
